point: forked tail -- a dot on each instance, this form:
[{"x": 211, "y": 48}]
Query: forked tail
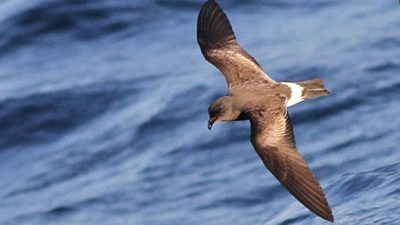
[{"x": 313, "y": 88}]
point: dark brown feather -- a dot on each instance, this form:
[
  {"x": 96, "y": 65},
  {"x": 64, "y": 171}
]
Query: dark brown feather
[
  {"x": 273, "y": 139},
  {"x": 219, "y": 46}
]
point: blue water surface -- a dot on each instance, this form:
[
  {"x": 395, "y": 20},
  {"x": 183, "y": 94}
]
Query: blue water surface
[{"x": 103, "y": 113}]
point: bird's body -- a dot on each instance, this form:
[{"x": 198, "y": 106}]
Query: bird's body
[{"x": 253, "y": 95}]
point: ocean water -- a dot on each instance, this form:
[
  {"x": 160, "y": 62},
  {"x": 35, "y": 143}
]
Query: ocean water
[{"x": 103, "y": 113}]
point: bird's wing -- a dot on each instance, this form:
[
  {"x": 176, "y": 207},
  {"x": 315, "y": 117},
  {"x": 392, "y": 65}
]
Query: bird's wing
[
  {"x": 219, "y": 46},
  {"x": 273, "y": 139}
]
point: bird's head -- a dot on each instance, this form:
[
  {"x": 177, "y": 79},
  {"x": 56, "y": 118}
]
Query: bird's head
[{"x": 222, "y": 109}]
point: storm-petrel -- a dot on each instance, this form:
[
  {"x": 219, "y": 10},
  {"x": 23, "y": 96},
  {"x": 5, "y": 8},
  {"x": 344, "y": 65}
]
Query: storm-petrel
[{"x": 254, "y": 96}]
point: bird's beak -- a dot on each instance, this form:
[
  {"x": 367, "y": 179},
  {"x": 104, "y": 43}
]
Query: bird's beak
[{"x": 210, "y": 123}]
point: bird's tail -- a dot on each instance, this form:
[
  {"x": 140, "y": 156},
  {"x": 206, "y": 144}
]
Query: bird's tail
[{"x": 313, "y": 88}]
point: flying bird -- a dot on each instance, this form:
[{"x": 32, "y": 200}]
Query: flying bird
[{"x": 253, "y": 95}]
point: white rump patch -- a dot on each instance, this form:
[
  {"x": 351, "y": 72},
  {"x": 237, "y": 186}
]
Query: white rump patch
[{"x": 296, "y": 95}]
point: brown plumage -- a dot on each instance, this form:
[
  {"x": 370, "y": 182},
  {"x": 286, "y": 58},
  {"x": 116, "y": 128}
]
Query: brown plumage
[
  {"x": 255, "y": 96},
  {"x": 219, "y": 46}
]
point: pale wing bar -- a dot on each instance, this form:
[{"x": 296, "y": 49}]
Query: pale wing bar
[{"x": 219, "y": 46}]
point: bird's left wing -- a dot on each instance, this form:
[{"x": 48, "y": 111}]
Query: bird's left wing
[
  {"x": 273, "y": 140},
  {"x": 219, "y": 46}
]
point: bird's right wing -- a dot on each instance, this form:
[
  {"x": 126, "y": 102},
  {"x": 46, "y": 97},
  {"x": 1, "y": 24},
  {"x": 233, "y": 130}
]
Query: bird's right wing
[
  {"x": 219, "y": 46},
  {"x": 273, "y": 139}
]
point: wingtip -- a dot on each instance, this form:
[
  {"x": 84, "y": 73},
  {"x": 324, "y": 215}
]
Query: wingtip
[
  {"x": 324, "y": 213},
  {"x": 209, "y": 2},
  {"x": 213, "y": 26},
  {"x": 328, "y": 215},
  {"x": 331, "y": 218}
]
